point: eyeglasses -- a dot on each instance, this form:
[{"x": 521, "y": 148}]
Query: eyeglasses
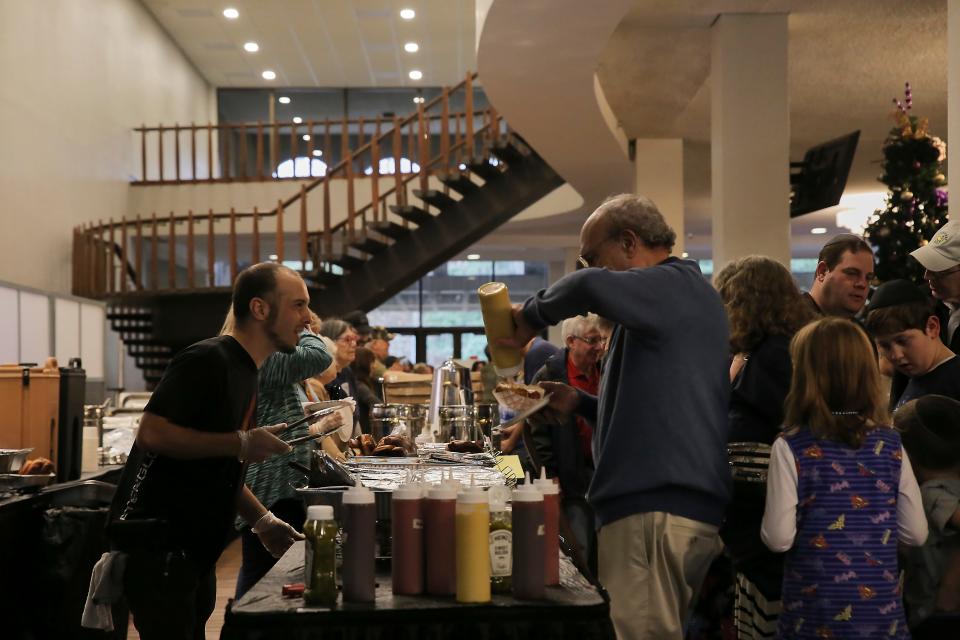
[
  {"x": 347, "y": 339},
  {"x": 586, "y": 260},
  {"x": 593, "y": 342},
  {"x": 943, "y": 274}
]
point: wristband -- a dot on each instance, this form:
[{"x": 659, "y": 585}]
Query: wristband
[{"x": 244, "y": 445}]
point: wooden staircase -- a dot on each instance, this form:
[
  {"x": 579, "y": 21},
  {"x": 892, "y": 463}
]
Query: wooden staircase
[{"x": 470, "y": 181}]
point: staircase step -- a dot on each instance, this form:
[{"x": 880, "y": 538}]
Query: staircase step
[
  {"x": 120, "y": 314},
  {"x": 391, "y": 229},
  {"x": 348, "y": 261},
  {"x": 481, "y": 166},
  {"x": 369, "y": 244},
  {"x": 460, "y": 182},
  {"x": 142, "y": 342},
  {"x": 509, "y": 151},
  {"x": 414, "y": 214},
  {"x": 437, "y": 198},
  {"x": 323, "y": 278}
]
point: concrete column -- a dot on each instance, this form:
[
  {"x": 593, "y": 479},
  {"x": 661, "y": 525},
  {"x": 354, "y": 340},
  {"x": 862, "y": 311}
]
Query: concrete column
[
  {"x": 658, "y": 166},
  {"x": 750, "y": 137},
  {"x": 953, "y": 93}
]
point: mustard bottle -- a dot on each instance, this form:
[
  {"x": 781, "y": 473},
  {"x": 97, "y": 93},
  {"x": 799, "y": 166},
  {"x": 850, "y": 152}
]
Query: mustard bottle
[
  {"x": 473, "y": 539},
  {"x": 498, "y": 323}
]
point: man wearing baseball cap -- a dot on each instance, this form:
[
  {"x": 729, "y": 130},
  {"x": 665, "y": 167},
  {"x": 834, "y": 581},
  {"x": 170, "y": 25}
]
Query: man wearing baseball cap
[{"x": 941, "y": 259}]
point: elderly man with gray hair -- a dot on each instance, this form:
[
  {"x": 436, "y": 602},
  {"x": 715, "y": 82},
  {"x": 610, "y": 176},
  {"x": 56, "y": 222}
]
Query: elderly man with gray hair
[
  {"x": 661, "y": 481},
  {"x": 562, "y": 441}
]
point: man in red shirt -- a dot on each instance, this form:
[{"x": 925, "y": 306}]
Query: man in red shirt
[{"x": 563, "y": 443}]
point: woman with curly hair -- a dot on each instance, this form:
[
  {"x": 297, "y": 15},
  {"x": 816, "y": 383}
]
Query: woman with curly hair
[{"x": 765, "y": 309}]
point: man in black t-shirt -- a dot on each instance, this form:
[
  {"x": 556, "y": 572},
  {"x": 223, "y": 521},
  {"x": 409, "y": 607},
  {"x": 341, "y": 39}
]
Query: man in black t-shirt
[
  {"x": 182, "y": 485},
  {"x": 906, "y": 330}
]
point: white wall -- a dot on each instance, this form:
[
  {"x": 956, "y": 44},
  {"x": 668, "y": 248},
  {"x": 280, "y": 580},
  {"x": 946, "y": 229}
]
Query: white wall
[{"x": 78, "y": 75}]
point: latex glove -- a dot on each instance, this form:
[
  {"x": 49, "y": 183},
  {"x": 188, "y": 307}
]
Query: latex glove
[
  {"x": 327, "y": 423},
  {"x": 275, "y": 535},
  {"x": 256, "y": 445}
]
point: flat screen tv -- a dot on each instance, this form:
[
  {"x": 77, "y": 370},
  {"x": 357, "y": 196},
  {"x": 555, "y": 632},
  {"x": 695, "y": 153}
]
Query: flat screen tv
[{"x": 818, "y": 181}]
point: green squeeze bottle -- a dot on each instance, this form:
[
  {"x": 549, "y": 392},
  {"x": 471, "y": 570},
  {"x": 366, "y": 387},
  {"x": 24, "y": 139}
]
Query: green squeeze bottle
[{"x": 320, "y": 549}]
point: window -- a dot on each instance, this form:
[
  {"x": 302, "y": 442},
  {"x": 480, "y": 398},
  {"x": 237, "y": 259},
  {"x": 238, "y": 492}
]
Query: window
[
  {"x": 387, "y": 167},
  {"x": 303, "y": 167}
]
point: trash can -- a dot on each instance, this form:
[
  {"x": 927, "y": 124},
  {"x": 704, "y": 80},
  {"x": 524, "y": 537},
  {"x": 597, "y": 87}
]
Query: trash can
[{"x": 73, "y": 383}]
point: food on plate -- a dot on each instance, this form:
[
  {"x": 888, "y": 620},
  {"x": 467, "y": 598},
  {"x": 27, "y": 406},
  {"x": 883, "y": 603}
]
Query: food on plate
[
  {"x": 37, "y": 467},
  {"x": 465, "y": 446},
  {"x": 518, "y": 397}
]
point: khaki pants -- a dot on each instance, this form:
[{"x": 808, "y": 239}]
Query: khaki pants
[{"x": 652, "y": 565}]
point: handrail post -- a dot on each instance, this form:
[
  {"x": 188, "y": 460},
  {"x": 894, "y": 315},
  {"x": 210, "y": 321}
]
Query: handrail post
[
  {"x": 260, "y": 149},
  {"x": 193, "y": 151},
  {"x": 303, "y": 227},
  {"x": 280, "y": 243},
  {"x": 468, "y": 107},
  {"x": 123, "y": 254},
  {"x": 351, "y": 204},
  {"x": 423, "y": 139},
  {"x": 172, "y": 254},
  {"x": 445, "y": 130},
  {"x": 293, "y": 147},
  {"x": 176, "y": 149},
  {"x": 310, "y": 148},
  {"x": 160, "y": 149},
  {"x": 397, "y": 154},
  {"x": 190, "y": 264},
  {"x": 143, "y": 152},
  {"x": 111, "y": 279},
  {"x": 210, "y": 151},
  {"x": 138, "y": 283},
  {"x": 154, "y": 262},
  {"x": 211, "y": 262},
  {"x": 233, "y": 245},
  {"x": 327, "y": 237},
  {"x": 375, "y": 171},
  {"x": 255, "y": 238}
]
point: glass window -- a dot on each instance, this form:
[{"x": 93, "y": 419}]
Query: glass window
[
  {"x": 404, "y": 345},
  {"x": 402, "y": 310},
  {"x": 472, "y": 346},
  {"x": 439, "y": 348}
]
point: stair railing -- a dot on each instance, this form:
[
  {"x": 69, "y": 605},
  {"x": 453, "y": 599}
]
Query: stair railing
[{"x": 432, "y": 141}]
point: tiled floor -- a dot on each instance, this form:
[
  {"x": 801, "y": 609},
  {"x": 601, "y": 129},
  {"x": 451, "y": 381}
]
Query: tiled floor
[{"x": 227, "y": 569}]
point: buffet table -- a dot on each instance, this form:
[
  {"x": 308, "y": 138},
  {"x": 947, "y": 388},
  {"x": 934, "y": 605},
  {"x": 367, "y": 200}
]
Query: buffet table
[{"x": 575, "y": 609}]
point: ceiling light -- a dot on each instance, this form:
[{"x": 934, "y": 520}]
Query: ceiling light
[
  {"x": 416, "y": 74},
  {"x": 418, "y": 100},
  {"x": 306, "y": 136},
  {"x": 252, "y": 47},
  {"x": 269, "y": 75},
  {"x": 284, "y": 99},
  {"x": 818, "y": 231},
  {"x": 272, "y": 257},
  {"x": 230, "y": 13},
  {"x": 408, "y": 14},
  {"x": 297, "y": 119},
  {"x": 473, "y": 256},
  {"x": 317, "y": 152},
  {"x": 684, "y": 255},
  {"x": 411, "y": 47}
]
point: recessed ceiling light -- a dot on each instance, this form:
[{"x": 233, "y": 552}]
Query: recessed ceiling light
[
  {"x": 818, "y": 231},
  {"x": 408, "y": 14},
  {"x": 230, "y": 13},
  {"x": 417, "y": 99},
  {"x": 684, "y": 255},
  {"x": 284, "y": 99},
  {"x": 306, "y": 136},
  {"x": 252, "y": 47},
  {"x": 411, "y": 47},
  {"x": 473, "y": 256},
  {"x": 317, "y": 152},
  {"x": 415, "y": 74},
  {"x": 269, "y": 75},
  {"x": 297, "y": 119}
]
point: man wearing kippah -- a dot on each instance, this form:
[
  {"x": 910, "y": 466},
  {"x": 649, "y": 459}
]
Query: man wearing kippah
[
  {"x": 941, "y": 259},
  {"x": 842, "y": 278}
]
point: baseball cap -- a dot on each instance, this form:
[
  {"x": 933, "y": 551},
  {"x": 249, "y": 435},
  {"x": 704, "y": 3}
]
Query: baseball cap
[
  {"x": 358, "y": 320},
  {"x": 943, "y": 250},
  {"x": 896, "y": 292}
]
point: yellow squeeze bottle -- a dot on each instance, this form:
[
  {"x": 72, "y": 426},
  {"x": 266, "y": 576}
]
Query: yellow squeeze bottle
[
  {"x": 473, "y": 545},
  {"x": 498, "y": 323}
]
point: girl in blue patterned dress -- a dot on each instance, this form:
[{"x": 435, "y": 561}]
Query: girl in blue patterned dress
[{"x": 840, "y": 493}]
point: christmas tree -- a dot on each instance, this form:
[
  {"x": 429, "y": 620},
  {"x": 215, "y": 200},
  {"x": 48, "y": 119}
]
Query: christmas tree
[{"x": 916, "y": 205}]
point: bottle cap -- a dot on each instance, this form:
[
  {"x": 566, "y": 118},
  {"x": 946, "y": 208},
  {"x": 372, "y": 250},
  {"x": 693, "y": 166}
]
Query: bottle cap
[
  {"x": 546, "y": 486},
  {"x": 443, "y": 491},
  {"x": 320, "y": 512},
  {"x": 358, "y": 495},
  {"x": 527, "y": 492},
  {"x": 498, "y": 497},
  {"x": 408, "y": 491},
  {"x": 472, "y": 495}
]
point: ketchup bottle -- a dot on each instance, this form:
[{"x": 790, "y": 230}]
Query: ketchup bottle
[
  {"x": 551, "y": 521},
  {"x": 407, "y": 533}
]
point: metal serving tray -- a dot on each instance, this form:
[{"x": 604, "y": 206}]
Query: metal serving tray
[
  {"x": 17, "y": 482},
  {"x": 12, "y": 459}
]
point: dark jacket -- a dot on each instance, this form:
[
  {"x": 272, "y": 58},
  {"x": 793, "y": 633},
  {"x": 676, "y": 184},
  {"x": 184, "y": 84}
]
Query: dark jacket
[
  {"x": 556, "y": 442},
  {"x": 661, "y": 416}
]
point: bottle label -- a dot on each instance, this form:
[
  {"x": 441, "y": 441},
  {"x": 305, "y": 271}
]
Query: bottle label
[
  {"x": 501, "y": 553},
  {"x": 307, "y": 561},
  {"x": 542, "y": 530},
  {"x": 418, "y": 523}
]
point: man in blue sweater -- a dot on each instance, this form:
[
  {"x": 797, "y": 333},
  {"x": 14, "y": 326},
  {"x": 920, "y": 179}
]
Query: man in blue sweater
[{"x": 661, "y": 482}]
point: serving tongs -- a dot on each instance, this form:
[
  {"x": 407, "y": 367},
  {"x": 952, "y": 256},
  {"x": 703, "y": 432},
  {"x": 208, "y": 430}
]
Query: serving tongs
[{"x": 310, "y": 418}]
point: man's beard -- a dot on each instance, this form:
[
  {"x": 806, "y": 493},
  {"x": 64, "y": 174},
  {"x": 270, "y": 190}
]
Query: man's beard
[{"x": 275, "y": 339}]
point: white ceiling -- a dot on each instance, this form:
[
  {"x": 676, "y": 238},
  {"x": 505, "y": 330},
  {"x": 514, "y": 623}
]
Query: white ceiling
[{"x": 323, "y": 43}]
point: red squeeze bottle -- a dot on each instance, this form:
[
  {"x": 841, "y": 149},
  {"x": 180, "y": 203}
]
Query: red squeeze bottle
[
  {"x": 406, "y": 513},
  {"x": 359, "y": 516},
  {"x": 528, "y": 543},
  {"x": 440, "y": 508},
  {"x": 551, "y": 521}
]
